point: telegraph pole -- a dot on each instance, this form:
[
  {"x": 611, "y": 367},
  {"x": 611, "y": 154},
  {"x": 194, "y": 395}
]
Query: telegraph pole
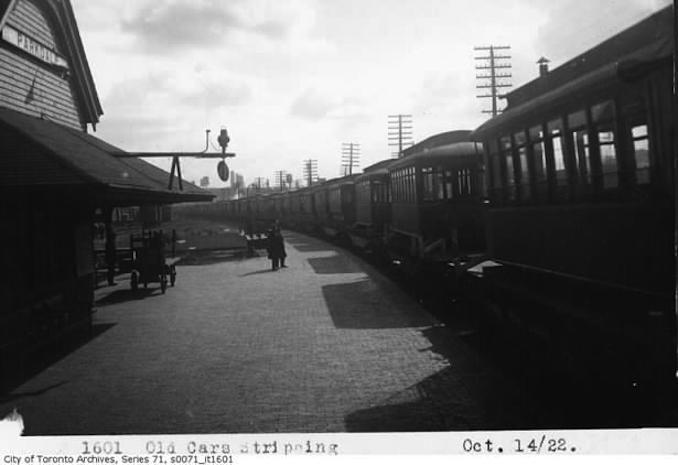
[
  {"x": 492, "y": 62},
  {"x": 350, "y": 157},
  {"x": 280, "y": 177},
  {"x": 399, "y": 133},
  {"x": 310, "y": 171},
  {"x": 258, "y": 181}
]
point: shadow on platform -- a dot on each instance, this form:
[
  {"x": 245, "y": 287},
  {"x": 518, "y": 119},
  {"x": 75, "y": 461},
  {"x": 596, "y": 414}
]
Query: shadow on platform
[
  {"x": 311, "y": 246},
  {"x": 126, "y": 295},
  {"x": 461, "y": 397},
  {"x": 211, "y": 257},
  {"x": 42, "y": 359},
  {"x": 334, "y": 265},
  {"x": 357, "y": 305},
  {"x": 253, "y": 273}
]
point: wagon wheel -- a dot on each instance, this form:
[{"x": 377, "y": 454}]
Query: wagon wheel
[
  {"x": 173, "y": 275},
  {"x": 134, "y": 281}
]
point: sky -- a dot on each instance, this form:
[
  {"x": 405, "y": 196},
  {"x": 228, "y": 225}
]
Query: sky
[{"x": 293, "y": 80}]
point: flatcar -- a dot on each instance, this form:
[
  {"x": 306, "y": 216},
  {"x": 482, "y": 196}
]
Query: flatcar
[{"x": 581, "y": 215}]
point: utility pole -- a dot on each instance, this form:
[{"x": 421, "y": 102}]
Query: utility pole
[
  {"x": 310, "y": 171},
  {"x": 280, "y": 178},
  {"x": 492, "y": 62},
  {"x": 258, "y": 181},
  {"x": 399, "y": 133},
  {"x": 350, "y": 157}
]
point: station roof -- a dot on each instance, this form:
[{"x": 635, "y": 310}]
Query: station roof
[{"x": 41, "y": 153}]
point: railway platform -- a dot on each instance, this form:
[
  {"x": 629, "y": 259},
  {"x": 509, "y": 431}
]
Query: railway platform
[{"x": 325, "y": 345}]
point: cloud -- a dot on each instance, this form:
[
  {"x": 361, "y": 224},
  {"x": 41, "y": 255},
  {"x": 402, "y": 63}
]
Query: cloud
[
  {"x": 173, "y": 26},
  {"x": 170, "y": 27},
  {"x": 217, "y": 94},
  {"x": 272, "y": 29},
  {"x": 312, "y": 105}
]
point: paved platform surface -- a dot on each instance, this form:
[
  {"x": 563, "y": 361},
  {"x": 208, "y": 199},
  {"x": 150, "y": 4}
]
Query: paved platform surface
[{"x": 326, "y": 345}]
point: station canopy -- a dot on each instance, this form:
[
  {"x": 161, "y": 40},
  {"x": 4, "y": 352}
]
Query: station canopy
[{"x": 38, "y": 153}]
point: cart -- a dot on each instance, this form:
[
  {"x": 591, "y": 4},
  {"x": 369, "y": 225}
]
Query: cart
[{"x": 149, "y": 263}]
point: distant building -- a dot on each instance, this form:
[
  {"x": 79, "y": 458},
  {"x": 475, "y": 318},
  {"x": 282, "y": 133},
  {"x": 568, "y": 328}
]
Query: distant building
[{"x": 55, "y": 180}]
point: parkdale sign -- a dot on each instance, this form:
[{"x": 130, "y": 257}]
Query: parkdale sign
[{"x": 33, "y": 47}]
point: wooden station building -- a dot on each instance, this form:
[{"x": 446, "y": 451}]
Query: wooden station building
[{"x": 54, "y": 176}]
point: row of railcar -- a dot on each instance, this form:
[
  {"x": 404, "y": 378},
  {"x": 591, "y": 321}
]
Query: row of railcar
[{"x": 556, "y": 217}]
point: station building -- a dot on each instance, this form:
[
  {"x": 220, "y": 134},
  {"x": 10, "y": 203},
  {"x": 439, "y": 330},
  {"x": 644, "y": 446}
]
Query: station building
[{"x": 55, "y": 177}]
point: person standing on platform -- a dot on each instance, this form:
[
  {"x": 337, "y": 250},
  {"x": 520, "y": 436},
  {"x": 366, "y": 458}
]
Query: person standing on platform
[{"x": 276, "y": 249}]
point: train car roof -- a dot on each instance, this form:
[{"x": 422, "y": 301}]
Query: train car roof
[
  {"x": 444, "y": 138},
  {"x": 456, "y": 150},
  {"x": 349, "y": 179},
  {"x": 618, "y": 58},
  {"x": 378, "y": 169}
]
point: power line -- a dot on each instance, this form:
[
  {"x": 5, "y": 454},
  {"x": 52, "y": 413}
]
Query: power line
[{"x": 492, "y": 62}]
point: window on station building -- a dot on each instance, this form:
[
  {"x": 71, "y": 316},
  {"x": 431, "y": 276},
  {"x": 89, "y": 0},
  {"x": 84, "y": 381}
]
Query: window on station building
[
  {"x": 641, "y": 153},
  {"x": 602, "y": 115},
  {"x": 580, "y": 142},
  {"x": 555, "y": 130}
]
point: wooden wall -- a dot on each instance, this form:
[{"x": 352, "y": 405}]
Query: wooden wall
[{"x": 28, "y": 85}]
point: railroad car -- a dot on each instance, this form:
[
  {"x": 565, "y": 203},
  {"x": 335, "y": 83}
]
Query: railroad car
[
  {"x": 340, "y": 207},
  {"x": 372, "y": 207},
  {"x": 437, "y": 204},
  {"x": 580, "y": 169}
]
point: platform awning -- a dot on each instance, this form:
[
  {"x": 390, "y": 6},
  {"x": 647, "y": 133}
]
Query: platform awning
[{"x": 38, "y": 153}]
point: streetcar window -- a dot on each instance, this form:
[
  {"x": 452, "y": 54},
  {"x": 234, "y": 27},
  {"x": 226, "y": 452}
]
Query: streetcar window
[
  {"x": 555, "y": 128},
  {"x": 641, "y": 152},
  {"x": 524, "y": 172},
  {"x": 496, "y": 172},
  {"x": 580, "y": 141},
  {"x": 577, "y": 119},
  {"x": 464, "y": 182},
  {"x": 608, "y": 156},
  {"x": 520, "y": 140},
  {"x": 602, "y": 112},
  {"x": 449, "y": 189},
  {"x": 427, "y": 178},
  {"x": 440, "y": 183},
  {"x": 507, "y": 155},
  {"x": 539, "y": 152}
]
